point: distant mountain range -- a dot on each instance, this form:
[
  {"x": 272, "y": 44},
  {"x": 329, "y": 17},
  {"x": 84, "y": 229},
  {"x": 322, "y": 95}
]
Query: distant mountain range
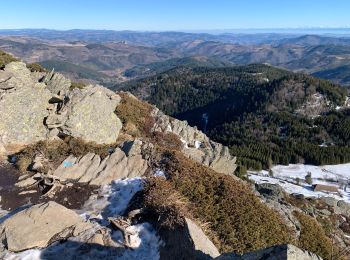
[{"x": 111, "y": 57}]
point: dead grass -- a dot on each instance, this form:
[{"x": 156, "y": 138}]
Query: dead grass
[
  {"x": 168, "y": 141},
  {"x": 5, "y": 59},
  {"x": 58, "y": 150},
  {"x": 135, "y": 115},
  {"x": 79, "y": 85},
  {"x": 36, "y": 67},
  {"x": 165, "y": 202}
]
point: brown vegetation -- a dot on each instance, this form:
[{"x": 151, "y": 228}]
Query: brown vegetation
[
  {"x": 6, "y": 59},
  {"x": 79, "y": 85},
  {"x": 36, "y": 67},
  {"x": 57, "y": 151},
  {"x": 135, "y": 115},
  {"x": 313, "y": 237},
  {"x": 239, "y": 220},
  {"x": 165, "y": 202}
]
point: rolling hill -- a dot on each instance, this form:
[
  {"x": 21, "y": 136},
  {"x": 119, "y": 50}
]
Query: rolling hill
[{"x": 263, "y": 113}]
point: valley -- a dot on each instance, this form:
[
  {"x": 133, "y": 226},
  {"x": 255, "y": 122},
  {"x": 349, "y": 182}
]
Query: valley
[{"x": 230, "y": 144}]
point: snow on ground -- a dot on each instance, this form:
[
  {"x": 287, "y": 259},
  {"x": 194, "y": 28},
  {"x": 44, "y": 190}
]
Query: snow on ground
[
  {"x": 286, "y": 177},
  {"x": 159, "y": 173},
  {"x": 111, "y": 201},
  {"x": 304, "y": 189},
  {"x": 197, "y": 144},
  {"x": 339, "y": 172}
]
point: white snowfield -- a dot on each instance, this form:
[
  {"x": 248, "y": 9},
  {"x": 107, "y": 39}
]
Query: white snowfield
[
  {"x": 286, "y": 177},
  {"x": 111, "y": 201}
]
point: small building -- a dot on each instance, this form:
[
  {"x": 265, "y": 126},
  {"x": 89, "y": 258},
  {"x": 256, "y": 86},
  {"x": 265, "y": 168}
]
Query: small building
[{"x": 325, "y": 188}]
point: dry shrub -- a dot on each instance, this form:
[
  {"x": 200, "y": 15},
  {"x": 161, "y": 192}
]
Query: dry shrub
[
  {"x": 79, "y": 85},
  {"x": 36, "y": 67},
  {"x": 313, "y": 237},
  {"x": 6, "y": 59},
  {"x": 165, "y": 202},
  {"x": 241, "y": 222},
  {"x": 168, "y": 140},
  {"x": 135, "y": 114},
  {"x": 56, "y": 151}
]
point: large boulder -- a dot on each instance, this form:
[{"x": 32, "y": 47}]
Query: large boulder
[
  {"x": 197, "y": 146},
  {"x": 39, "y": 226},
  {"x": 270, "y": 191},
  {"x": 23, "y": 106},
  {"x": 280, "y": 252},
  {"x": 89, "y": 114}
]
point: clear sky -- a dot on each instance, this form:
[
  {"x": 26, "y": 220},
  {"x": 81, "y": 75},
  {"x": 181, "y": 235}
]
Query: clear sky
[{"x": 174, "y": 14}]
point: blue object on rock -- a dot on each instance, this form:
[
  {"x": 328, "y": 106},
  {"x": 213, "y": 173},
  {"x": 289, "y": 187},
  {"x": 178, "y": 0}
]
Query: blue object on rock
[
  {"x": 13, "y": 159},
  {"x": 67, "y": 164}
]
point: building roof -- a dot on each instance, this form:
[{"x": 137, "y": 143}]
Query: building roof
[{"x": 325, "y": 188}]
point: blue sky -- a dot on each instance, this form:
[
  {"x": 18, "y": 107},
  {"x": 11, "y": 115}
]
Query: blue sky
[{"x": 174, "y": 14}]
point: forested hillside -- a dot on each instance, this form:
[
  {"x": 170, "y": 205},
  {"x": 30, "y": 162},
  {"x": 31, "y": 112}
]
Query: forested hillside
[{"x": 265, "y": 114}]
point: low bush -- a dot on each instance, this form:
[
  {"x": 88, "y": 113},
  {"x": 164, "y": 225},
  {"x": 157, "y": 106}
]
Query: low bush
[
  {"x": 79, "y": 85},
  {"x": 135, "y": 115},
  {"x": 239, "y": 220},
  {"x": 165, "y": 202},
  {"x": 36, "y": 67},
  {"x": 5, "y": 59},
  {"x": 313, "y": 237}
]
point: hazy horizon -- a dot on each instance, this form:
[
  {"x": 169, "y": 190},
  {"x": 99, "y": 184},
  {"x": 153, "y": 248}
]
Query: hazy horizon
[{"x": 181, "y": 15}]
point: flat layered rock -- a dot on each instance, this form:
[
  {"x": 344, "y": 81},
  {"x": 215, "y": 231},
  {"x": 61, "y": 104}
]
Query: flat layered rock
[
  {"x": 197, "y": 146},
  {"x": 91, "y": 169},
  {"x": 41, "y": 225}
]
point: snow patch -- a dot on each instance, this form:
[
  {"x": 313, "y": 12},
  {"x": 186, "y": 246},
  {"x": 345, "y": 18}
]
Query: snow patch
[
  {"x": 159, "y": 173},
  {"x": 111, "y": 200},
  {"x": 286, "y": 177},
  {"x": 197, "y": 144}
]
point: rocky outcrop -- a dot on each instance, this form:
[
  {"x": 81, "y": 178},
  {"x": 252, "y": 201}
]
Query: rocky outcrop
[
  {"x": 188, "y": 242},
  {"x": 280, "y": 252},
  {"x": 270, "y": 191},
  {"x": 91, "y": 169},
  {"x": 57, "y": 83},
  {"x": 34, "y": 109},
  {"x": 39, "y": 226},
  {"x": 23, "y": 106},
  {"x": 197, "y": 145},
  {"x": 89, "y": 114}
]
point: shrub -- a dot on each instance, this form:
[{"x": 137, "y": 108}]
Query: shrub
[
  {"x": 36, "y": 67},
  {"x": 135, "y": 115},
  {"x": 165, "y": 202},
  {"x": 308, "y": 178},
  {"x": 238, "y": 218},
  {"x": 6, "y": 59},
  {"x": 313, "y": 237},
  {"x": 79, "y": 85}
]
